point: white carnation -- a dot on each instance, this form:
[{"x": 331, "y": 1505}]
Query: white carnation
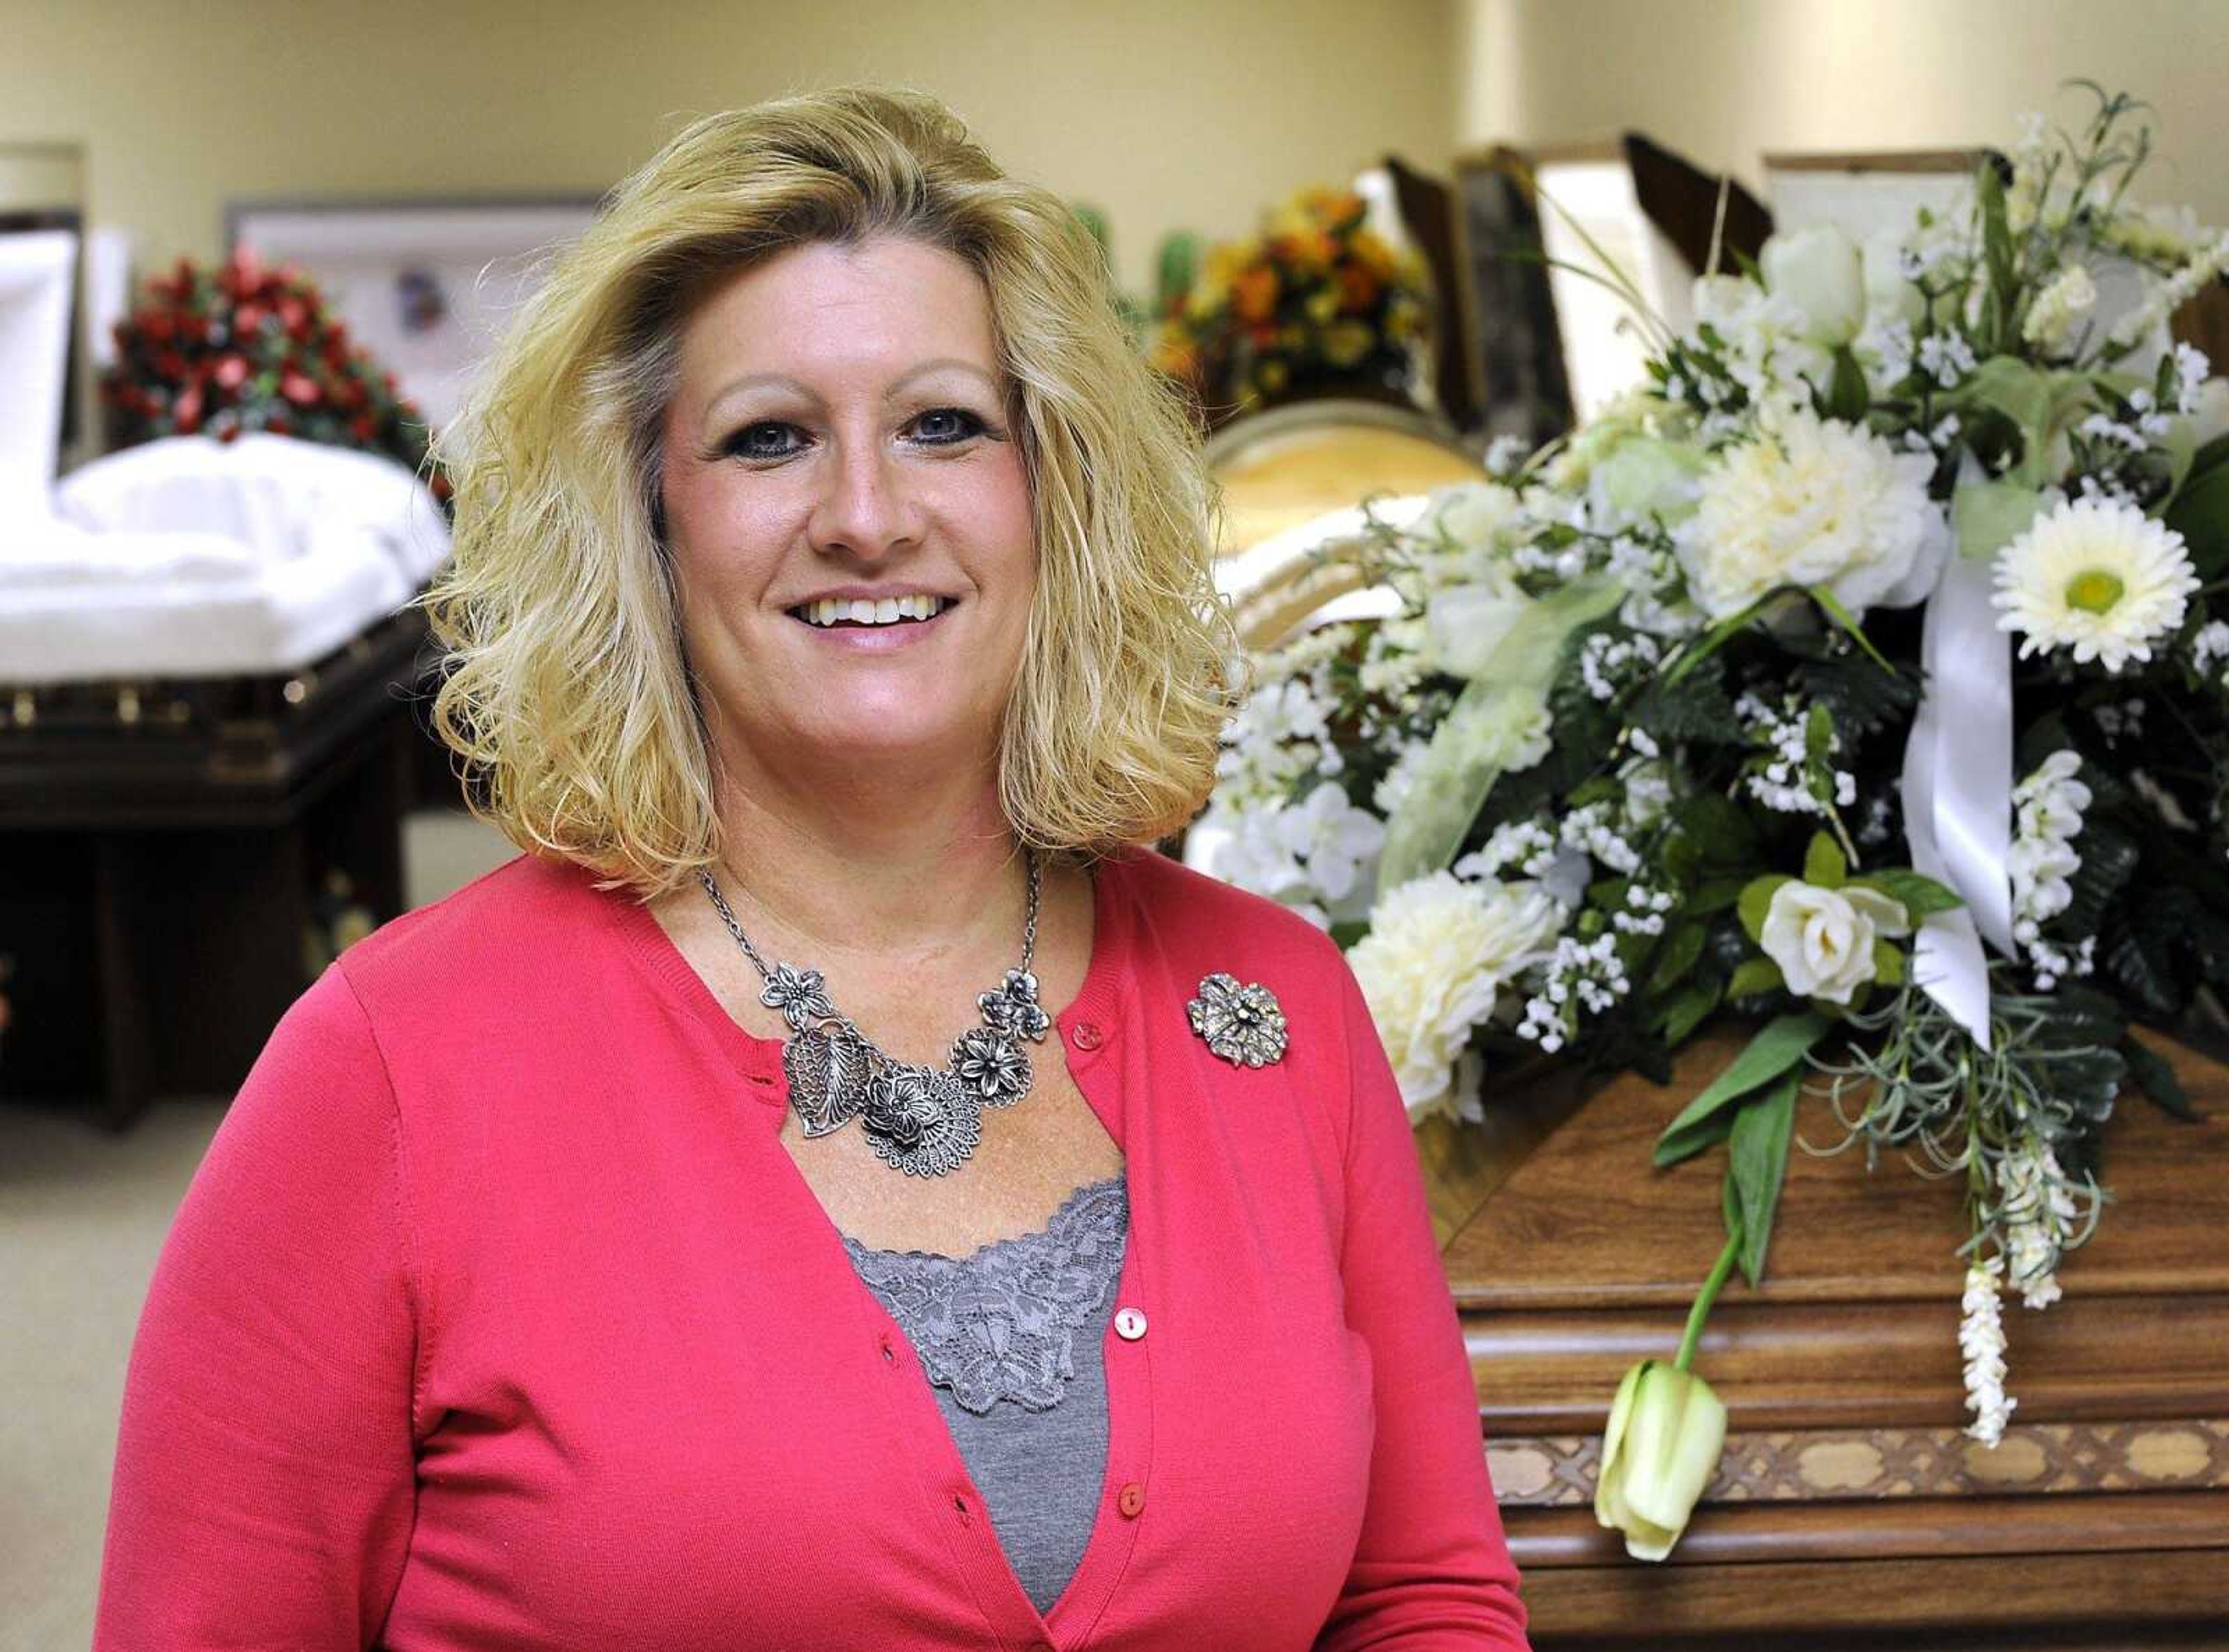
[
  {"x": 1813, "y": 502},
  {"x": 1438, "y": 950}
]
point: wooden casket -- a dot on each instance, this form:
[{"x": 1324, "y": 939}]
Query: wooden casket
[
  {"x": 1849, "y": 1509},
  {"x": 174, "y": 840}
]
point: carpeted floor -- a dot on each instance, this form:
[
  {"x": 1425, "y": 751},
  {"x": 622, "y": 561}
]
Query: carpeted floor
[{"x": 82, "y": 1218}]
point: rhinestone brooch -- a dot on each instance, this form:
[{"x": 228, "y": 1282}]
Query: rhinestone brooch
[{"x": 1242, "y": 1024}]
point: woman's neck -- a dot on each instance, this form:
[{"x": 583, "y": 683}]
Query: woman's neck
[{"x": 867, "y": 867}]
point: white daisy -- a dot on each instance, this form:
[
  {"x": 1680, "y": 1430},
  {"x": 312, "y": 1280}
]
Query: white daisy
[{"x": 2096, "y": 576}]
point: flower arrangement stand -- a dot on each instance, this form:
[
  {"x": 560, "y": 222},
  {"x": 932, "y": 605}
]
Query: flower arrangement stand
[{"x": 1849, "y": 1502}]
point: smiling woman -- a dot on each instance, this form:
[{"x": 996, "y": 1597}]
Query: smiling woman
[
  {"x": 831, "y": 621},
  {"x": 717, "y": 325},
  {"x": 851, "y": 537}
]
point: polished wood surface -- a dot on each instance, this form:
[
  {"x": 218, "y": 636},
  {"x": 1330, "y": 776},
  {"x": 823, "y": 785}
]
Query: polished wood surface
[{"x": 1849, "y": 1509}]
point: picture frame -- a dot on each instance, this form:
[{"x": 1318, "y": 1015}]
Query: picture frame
[
  {"x": 1868, "y": 192},
  {"x": 424, "y": 285},
  {"x": 1517, "y": 382}
]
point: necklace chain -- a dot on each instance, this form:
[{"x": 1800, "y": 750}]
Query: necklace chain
[
  {"x": 923, "y": 1121},
  {"x": 735, "y": 928}
]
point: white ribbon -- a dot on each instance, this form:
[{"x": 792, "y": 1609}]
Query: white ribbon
[{"x": 1958, "y": 785}]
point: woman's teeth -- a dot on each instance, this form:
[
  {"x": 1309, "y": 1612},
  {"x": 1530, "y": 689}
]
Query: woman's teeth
[{"x": 859, "y": 610}]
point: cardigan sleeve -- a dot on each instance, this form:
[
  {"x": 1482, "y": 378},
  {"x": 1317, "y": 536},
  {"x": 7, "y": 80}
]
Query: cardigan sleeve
[
  {"x": 265, "y": 1478},
  {"x": 1432, "y": 1572}
]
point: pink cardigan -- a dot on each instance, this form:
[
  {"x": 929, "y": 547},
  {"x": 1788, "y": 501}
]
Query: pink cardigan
[{"x": 497, "y": 1317}]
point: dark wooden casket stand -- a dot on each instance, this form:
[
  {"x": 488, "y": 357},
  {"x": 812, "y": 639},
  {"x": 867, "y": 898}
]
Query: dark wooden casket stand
[
  {"x": 1850, "y": 1510},
  {"x": 166, "y": 843}
]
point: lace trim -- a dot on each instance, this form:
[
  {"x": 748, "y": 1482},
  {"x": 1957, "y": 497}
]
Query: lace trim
[{"x": 1000, "y": 1322}]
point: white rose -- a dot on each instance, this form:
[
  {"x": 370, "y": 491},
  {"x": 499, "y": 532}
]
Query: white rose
[
  {"x": 1437, "y": 952},
  {"x": 1817, "y": 268},
  {"x": 1822, "y": 939}
]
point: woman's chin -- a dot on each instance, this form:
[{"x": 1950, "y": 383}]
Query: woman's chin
[{"x": 874, "y": 729}]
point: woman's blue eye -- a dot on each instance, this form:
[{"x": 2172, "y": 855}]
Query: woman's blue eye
[
  {"x": 965, "y": 424},
  {"x": 743, "y": 445},
  {"x": 938, "y": 427}
]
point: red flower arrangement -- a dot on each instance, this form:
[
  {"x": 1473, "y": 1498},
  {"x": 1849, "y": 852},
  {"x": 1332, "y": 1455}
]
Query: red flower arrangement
[{"x": 242, "y": 348}]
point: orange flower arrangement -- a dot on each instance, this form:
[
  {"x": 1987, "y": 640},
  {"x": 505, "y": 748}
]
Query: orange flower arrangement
[{"x": 1313, "y": 295}]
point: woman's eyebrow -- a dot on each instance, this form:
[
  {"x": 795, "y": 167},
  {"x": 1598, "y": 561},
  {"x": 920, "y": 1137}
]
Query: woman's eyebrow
[{"x": 784, "y": 381}]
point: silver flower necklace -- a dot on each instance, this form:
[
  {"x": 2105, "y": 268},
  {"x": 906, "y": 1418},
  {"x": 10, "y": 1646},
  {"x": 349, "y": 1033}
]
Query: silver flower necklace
[{"x": 924, "y": 1121}]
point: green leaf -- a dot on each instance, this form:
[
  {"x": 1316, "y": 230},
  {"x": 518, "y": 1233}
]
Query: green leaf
[
  {"x": 1755, "y": 975},
  {"x": 1717, "y": 637},
  {"x": 1682, "y": 946},
  {"x": 1888, "y": 962},
  {"x": 1917, "y": 894},
  {"x": 1996, "y": 233},
  {"x": 1847, "y": 398},
  {"x": 2214, "y": 454},
  {"x": 1823, "y": 864},
  {"x": 1842, "y": 616},
  {"x": 1608, "y": 893},
  {"x": 1679, "y": 1017},
  {"x": 2155, "y": 1077},
  {"x": 1693, "y": 707},
  {"x": 2141, "y": 952},
  {"x": 1720, "y": 827},
  {"x": 2110, "y": 857},
  {"x": 2200, "y": 514},
  {"x": 1818, "y": 734},
  {"x": 1861, "y": 697},
  {"x": 1715, "y": 895},
  {"x": 1757, "y": 1162},
  {"x": 1779, "y": 1045},
  {"x": 1756, "y": 901}
]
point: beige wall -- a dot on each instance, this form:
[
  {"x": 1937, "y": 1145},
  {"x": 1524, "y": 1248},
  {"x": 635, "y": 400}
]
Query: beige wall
[
  {"x": 1164, "y": 113},
  {"x": 1725, "y": 80}
]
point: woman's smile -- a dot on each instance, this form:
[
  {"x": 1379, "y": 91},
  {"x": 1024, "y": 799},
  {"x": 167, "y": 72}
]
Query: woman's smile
[{"x": 874, "y": 623}]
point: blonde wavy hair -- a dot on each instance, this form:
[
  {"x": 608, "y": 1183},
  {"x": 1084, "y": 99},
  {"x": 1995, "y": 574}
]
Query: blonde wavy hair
[{"x": 566, "y": 691}]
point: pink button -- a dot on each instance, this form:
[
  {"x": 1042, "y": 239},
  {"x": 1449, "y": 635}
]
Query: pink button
[
  {"x": 1132, "y": 1500},
  {"x": 1087, "y": 1035}
]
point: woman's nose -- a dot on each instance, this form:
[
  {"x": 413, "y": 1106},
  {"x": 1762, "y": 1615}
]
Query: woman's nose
[{"x": 866, "y": 506}]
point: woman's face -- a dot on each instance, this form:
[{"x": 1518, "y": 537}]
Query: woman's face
[{"x": 847, "y": 509}]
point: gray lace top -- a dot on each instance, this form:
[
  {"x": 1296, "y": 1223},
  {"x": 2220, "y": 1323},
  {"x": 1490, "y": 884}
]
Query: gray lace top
[{"x": 1010, "y": 1336}]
